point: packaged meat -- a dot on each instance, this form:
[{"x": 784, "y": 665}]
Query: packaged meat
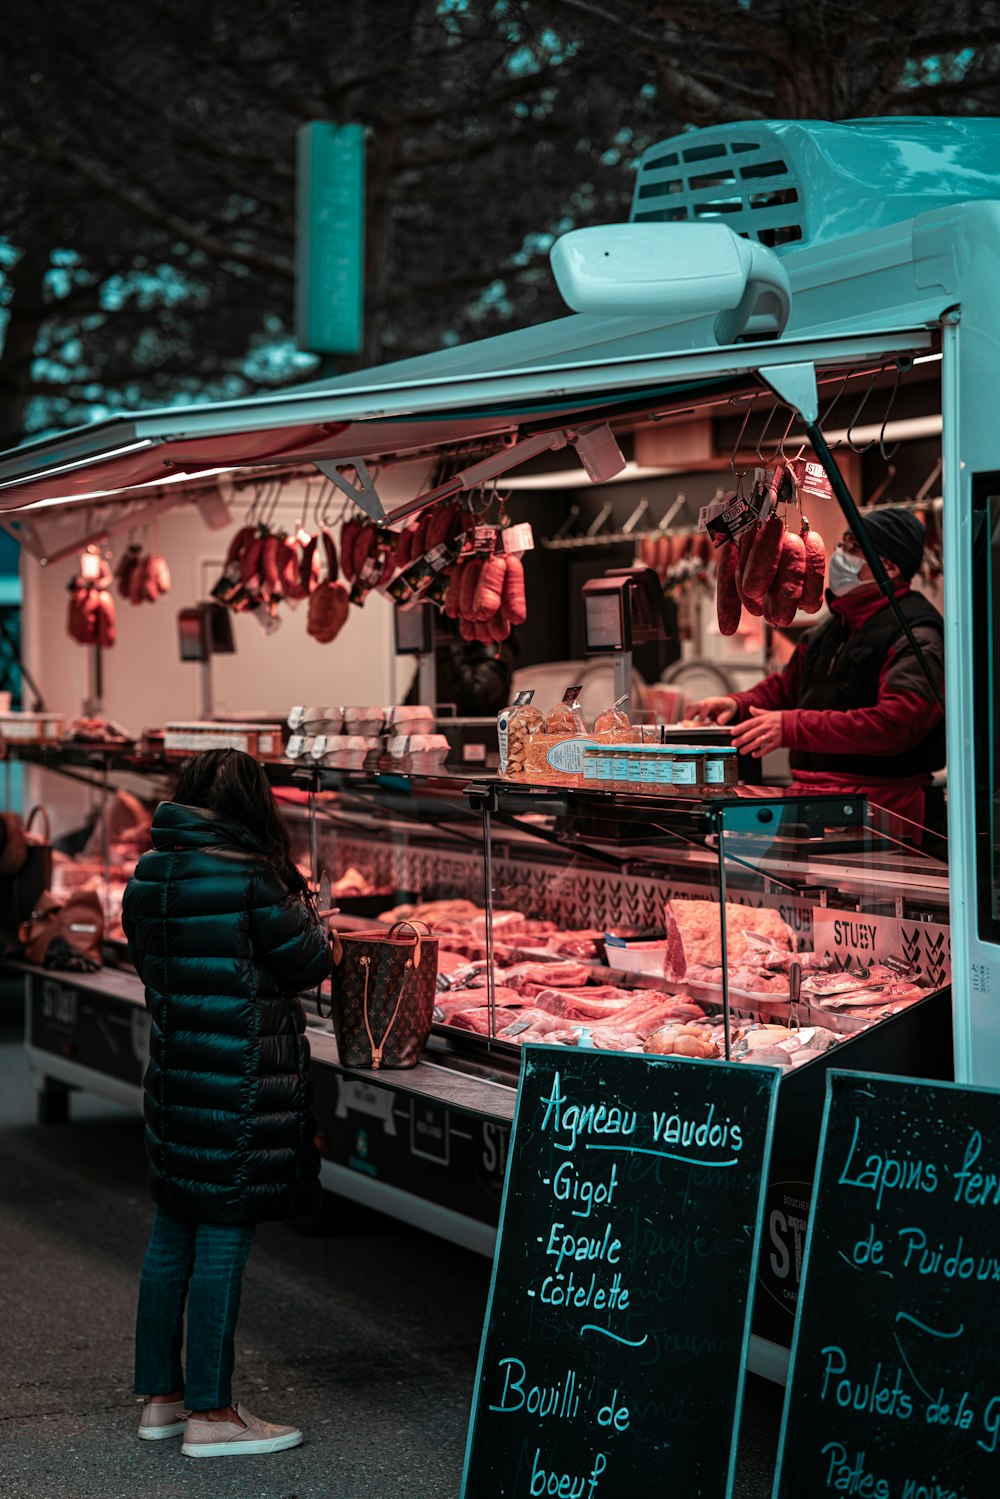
[{"x": 694, "y": 933}]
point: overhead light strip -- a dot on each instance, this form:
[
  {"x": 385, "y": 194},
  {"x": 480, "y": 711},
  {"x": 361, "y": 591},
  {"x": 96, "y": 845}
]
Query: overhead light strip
[{"x": 54, "y": 471}]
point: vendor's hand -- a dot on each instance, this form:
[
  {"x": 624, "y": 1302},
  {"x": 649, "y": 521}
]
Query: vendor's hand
[
  {"x": 713, "y": 710},
  {"x": 760, "y": 734}
]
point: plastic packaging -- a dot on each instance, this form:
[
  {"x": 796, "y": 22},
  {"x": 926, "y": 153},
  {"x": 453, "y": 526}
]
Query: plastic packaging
[
  {"x": 567, "y": 717},
  {"x": 515, "y": 727},
  {"x": 613, "y": 720}
]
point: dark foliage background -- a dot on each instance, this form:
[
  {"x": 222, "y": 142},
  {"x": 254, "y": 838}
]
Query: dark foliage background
[{"x": 147, "y": 160}]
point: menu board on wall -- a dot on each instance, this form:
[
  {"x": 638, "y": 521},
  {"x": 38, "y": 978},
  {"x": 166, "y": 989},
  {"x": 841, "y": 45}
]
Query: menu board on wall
[
  {"x": 894, "y": 1384},
  {"x": 615, "y": 1339}
]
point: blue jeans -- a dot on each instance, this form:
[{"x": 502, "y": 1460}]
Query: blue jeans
[{"x": 201, "y": 1263}]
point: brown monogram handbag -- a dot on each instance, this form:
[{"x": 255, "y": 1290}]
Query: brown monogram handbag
[
  {"x": 382, "y": 995},
  {"x": 65, "y": 933}
]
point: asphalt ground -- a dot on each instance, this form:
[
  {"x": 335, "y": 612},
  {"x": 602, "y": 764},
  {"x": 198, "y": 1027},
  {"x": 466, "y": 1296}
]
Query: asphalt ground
[{"x": 363, "y": 1332}]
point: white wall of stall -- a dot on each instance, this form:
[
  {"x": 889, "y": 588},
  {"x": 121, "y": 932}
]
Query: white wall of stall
[{"x": 145, "y": 682}]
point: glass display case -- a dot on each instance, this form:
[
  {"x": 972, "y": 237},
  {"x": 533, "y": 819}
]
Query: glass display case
[
  {"x": 780, "y": 930},
  {"x": 741, "y": 925},
  {"x": 756, "y": 927}
]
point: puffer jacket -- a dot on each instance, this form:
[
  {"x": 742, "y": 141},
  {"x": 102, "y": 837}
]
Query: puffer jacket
[{"x": 223, "y": 949}]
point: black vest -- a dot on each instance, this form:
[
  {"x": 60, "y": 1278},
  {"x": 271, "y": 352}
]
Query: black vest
[{"x": 841, "y": 670}]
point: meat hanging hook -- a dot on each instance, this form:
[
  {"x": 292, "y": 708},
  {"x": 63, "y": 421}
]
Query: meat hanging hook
[
  {"x": 824, "y": 420},
  {"x": 736, "y": 446},
  {"x": 759, "y": 444},
  {"x": 888, "y": 410},
  {"x": 784, "y": 437},
  {"x": 854, "y": 419},
  {"x": 276, "y": 494},
  {"x": 251, "y": 516},
  {"x": 323, "y": 502},
  {"x": 306, "y": 498}
]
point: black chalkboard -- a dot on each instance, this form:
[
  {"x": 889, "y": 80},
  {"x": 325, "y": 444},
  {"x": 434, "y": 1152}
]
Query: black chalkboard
[
  {"x": 894, "y": 1385},
  {"x": 616, "y": 1331}
]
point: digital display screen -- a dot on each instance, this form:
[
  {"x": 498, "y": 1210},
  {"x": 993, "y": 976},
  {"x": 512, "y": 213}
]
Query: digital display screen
[
  {"x": 603, "y": 623},
  {"x": 191, "y": 634},
  {"x": 414, "y": 631}
]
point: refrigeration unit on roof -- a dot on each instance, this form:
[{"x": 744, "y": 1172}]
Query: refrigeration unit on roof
[{"x": 793, "y": 183}]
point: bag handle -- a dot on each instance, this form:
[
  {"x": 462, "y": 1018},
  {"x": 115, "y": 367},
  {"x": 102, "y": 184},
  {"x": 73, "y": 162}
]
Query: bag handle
[
  {"x": 377, "y": 1050},
  {"x": 337, "y": 941},
  {"x": 39, "y": 807},
  {"x": 413, "y": 925}
]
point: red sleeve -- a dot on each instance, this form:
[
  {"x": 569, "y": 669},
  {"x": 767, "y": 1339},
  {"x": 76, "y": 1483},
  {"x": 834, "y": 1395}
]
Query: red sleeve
[
  {"x": 779, "y": 690},
  {"x": 904, "y": 714}
]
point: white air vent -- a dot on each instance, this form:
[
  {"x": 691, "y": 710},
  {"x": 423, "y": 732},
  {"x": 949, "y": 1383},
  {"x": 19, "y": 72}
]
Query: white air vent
[{"x": 737, "y": 177}]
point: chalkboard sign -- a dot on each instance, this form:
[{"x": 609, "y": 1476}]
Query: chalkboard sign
[
  {"x": 615, "y": 1338},
  {"x": 894, "y": 1385}
]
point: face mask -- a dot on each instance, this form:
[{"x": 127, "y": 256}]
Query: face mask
[{"x": 844, "y": 573}]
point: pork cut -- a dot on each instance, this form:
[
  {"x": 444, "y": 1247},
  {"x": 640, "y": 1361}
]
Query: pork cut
[{"x": 694, "y": 934}]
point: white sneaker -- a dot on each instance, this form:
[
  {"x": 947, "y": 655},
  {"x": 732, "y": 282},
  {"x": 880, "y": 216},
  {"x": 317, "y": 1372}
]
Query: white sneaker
[
  {"x": 161, "y": 1418},
  {"x": 227, "y": 1439}
]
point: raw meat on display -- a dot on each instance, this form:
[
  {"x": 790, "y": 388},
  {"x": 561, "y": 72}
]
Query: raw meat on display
[
  {"x": 599, "y": 1003},
  {"x": 609, "y": 1038},
  {"x": 694, "y": 933},
  {"x": 565, "y": 974},
  {"x": 582, "y": 944},
  {"x": 472, "y": 1020}
]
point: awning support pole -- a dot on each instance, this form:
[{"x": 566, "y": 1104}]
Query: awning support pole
[{"x": 855, "y": 525}]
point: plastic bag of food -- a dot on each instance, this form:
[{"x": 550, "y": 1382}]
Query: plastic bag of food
[
  {"x": 567, "y": 717},
  {"x": 614, "y": 721},
  {"x": 515, "y": 727}
]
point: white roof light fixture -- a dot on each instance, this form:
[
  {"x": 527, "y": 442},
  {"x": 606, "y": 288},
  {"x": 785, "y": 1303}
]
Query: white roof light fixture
[{"x": 677, "y": 271}]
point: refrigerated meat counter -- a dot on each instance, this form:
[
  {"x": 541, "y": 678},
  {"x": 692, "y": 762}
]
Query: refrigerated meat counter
[{"x": 777, "y": 930}]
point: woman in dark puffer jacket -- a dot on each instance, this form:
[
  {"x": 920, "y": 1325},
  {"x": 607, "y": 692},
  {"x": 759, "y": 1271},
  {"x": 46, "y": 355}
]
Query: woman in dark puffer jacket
[{"x": 222, "y": 934}]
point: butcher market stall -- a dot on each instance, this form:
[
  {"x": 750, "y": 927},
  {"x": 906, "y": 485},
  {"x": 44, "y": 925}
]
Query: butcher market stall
[
  {"x": 580, "y": 911},
  {"x": 575, "y": 917}
]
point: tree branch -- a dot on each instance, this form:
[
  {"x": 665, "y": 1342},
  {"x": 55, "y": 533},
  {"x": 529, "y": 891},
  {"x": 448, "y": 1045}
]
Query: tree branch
[{"x": 99, "y": 177}]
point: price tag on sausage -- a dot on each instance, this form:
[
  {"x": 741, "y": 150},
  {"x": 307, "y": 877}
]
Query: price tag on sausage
[
  {"x": 519, "y": 538},
  {"x": 811, "y": 478},
  {"x": 482, "y": 539}
]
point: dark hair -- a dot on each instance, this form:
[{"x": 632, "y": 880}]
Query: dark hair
[{"x": 231, "y": 783}]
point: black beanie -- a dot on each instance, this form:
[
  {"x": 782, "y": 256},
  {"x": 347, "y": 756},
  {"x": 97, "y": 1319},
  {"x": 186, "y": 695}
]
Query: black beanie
[{"x": 898, "y": 536}]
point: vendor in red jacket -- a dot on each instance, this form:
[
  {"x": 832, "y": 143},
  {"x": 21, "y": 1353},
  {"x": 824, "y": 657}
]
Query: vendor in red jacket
[{"x": 853, "y": 705}]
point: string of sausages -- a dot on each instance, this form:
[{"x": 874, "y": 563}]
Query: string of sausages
[{"x": 775, "y": 570}]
